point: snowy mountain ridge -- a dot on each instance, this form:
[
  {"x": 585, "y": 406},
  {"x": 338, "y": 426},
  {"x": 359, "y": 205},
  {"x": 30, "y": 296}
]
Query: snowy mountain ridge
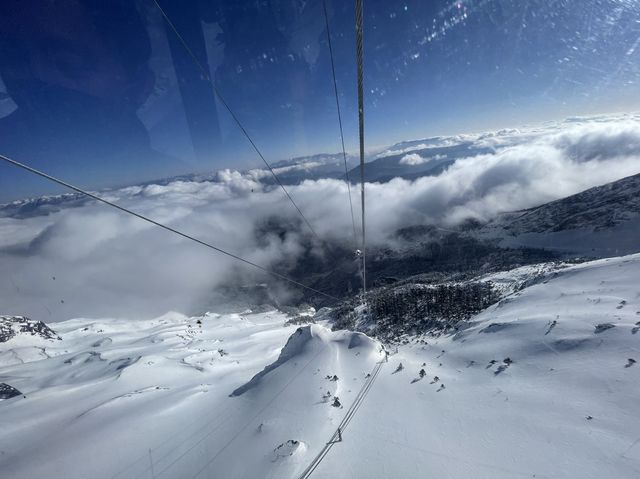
[
  {"x": 599, "y": 222},
  {"x": 10, "y": 326},
  {"x": 596, "y": 208}
]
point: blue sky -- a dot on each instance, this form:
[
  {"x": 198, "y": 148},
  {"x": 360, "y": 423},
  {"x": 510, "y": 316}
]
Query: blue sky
[{"x": 104, "y": 95}]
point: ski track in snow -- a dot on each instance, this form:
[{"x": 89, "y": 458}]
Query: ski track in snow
[{"x": 538, "y": 385}]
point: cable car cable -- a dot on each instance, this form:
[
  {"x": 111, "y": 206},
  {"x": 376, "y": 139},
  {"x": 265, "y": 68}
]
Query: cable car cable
[
  {"x": 335, "y": 89},
  {"x": 360, "y": 61},
  {"x": 208, "y": 78}
]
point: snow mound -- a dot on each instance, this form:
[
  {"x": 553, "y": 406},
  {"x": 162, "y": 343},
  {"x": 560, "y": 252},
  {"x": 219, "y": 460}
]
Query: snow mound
[
  {"x": 300, "y": 341},
  {"x": 289, "y": 448},
  {"x": 295, "y": 346}
]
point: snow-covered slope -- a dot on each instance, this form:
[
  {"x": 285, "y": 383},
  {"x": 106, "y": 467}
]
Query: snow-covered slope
[
  {"x": 543, "y": 384},
  {"x": 599, "y": 222},
  {"x": 429, "y": 158},
  {"x": 120, "y": 398}
]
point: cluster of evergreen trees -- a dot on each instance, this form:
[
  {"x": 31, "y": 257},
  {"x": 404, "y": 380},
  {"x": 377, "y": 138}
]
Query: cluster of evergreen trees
[
  {"x": 433, "y": 308},
  {"x": 420, "y": 308}
]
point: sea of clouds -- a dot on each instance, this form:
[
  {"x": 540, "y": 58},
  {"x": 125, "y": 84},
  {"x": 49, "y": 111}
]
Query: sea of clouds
[{"x": 93, "y": 261}]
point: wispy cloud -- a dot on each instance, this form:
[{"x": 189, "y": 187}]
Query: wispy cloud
[{"x": 414, "y": 159}]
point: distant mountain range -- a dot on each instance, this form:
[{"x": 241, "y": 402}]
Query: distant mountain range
[
  {"x": 41, "y": 206},
  {"x": 433, "y": 156},
  {"x": 415, "y": 163}
]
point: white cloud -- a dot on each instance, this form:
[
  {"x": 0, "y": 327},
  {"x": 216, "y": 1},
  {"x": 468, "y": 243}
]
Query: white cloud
[
  {"x": 107, "y": 263},
  {"x": 258, "y": 173},
  {"x": 434, "y": 142},
  {"x": 413, "y": 159}
]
